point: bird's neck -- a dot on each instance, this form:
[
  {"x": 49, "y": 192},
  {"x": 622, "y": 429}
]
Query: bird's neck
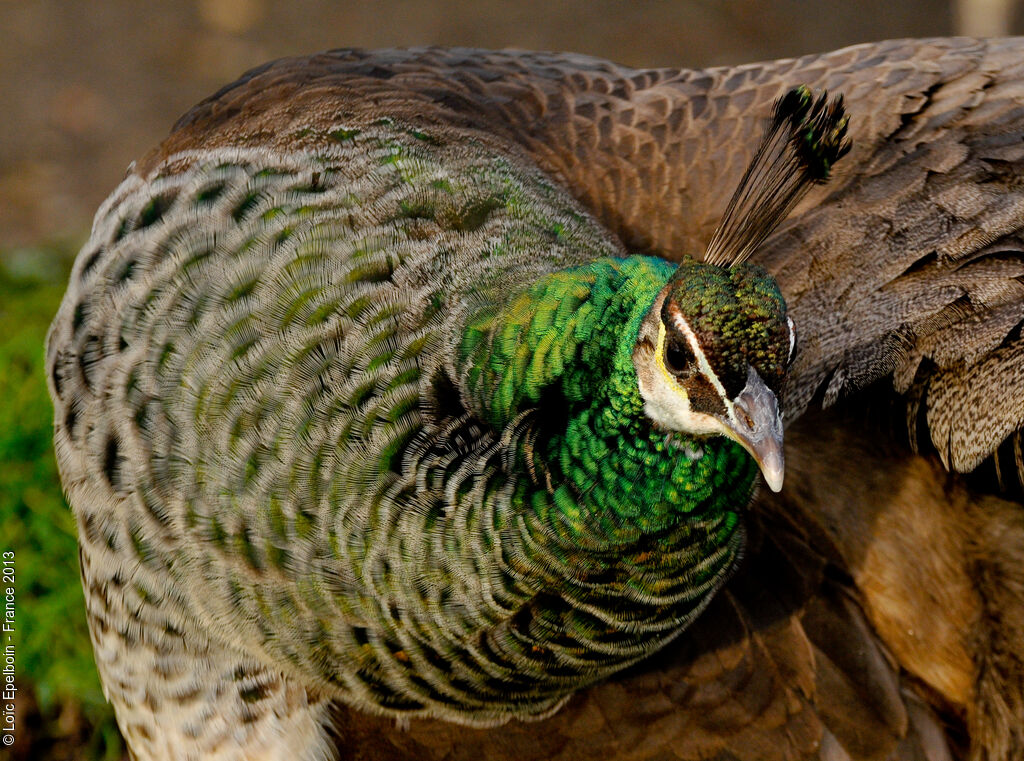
[{"x": 556, "y": 360}]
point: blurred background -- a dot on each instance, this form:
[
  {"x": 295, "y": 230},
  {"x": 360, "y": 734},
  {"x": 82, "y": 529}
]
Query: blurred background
[{"x": 86, "y": 87}]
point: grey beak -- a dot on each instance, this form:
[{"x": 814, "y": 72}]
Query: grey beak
[{"x": 758, "y": 428}]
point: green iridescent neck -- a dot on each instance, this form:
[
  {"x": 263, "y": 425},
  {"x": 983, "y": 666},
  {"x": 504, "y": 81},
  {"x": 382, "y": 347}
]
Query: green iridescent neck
[{"x": 605, "y": 473}]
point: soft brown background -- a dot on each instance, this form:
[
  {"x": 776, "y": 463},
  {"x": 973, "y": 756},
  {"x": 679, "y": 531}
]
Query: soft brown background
[{"x": 86, "y": 86}]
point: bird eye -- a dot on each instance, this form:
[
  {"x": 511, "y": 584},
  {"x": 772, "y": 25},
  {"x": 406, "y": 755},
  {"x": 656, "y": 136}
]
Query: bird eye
[{"x": 678, "y": 357}]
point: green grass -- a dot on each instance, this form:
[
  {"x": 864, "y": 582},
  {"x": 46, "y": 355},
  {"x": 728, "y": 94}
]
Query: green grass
[{"x": 53, "y": 658}]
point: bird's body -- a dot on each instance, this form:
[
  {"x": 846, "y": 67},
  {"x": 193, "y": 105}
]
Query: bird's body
[{"x": 367, "y": 409}]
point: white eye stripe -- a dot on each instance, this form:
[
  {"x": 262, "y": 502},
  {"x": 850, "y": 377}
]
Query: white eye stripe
[
  {"x": 702, "y": 361},
  {"x": 792, "y": 336}
]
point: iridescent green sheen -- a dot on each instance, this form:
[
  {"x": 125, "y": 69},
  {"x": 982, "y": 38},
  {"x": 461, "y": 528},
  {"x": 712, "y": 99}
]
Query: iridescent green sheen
[{"x": 565, "y": 345}]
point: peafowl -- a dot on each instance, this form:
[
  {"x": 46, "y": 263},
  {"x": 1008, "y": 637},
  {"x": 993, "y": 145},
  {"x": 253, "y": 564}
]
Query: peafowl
[{"x": 413, "y": 404}]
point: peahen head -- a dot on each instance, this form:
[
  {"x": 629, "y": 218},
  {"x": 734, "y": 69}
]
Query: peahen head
[
  {"x": 712, "y": 352},
  {"x": 712, "y": 358}
]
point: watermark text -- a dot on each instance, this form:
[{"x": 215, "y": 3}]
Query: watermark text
[{"x": 9, "y": 626}]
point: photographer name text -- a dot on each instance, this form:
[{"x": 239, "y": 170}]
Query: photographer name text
[{"x": 8, "y": 690}]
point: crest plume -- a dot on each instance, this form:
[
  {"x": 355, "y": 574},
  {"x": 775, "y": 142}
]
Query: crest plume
[{"x": 802, "y": 141}]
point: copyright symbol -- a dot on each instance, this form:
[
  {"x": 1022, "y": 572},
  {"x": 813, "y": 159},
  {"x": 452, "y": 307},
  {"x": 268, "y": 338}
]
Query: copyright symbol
[{"x": 8, "y": 739}]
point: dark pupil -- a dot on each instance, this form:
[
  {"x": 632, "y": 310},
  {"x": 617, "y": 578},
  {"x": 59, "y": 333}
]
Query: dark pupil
[{"x": 678, "y": 357}]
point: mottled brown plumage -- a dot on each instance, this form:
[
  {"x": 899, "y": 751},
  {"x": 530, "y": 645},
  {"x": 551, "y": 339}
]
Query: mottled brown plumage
[{"x": 879, "y": 612}]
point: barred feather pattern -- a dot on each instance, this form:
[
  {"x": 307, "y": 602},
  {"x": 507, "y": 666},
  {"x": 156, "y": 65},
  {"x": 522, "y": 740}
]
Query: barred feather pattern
[{"x": 255, "y": 354}]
